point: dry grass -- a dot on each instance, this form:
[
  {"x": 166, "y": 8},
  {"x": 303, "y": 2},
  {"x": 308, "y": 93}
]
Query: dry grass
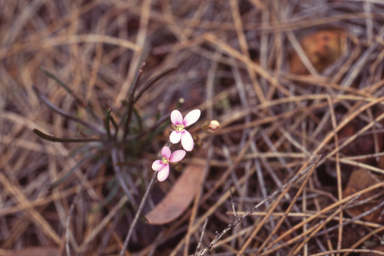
[{"x": 233, "y": 63}]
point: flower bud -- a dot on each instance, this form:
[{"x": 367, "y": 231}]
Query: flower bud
[{"x": 213, "y": 125}]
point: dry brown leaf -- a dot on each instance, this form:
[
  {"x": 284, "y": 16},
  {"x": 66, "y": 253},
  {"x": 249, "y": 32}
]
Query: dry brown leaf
[
  {"x": 361, "y": 179},
  {"x": 32, "y": 251},
  {"x": 322, "y": 49},
  {"x": 351, "y": 234},
  {"x": 179, "y": 197},
  {"x": 362, "y": 145}
]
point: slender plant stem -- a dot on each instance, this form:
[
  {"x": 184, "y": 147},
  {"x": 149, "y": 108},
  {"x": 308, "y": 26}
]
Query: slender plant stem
[{"x": 141, "y": 206}]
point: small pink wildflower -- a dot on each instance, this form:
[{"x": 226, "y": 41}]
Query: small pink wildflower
[
  {"x": 180, "y": 133},
  {"x": 162, "y": 166}
]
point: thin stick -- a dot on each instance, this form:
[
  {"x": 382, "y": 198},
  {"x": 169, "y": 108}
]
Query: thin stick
[
  {"x": 365, "y": 238},
  {"x": 311, "y": 229},
  {"x": 249, "y": 212},
  {"x": 290, "y": 205},
  {"x": 338, "y": 172},
  {"x": 349, "y": 251},
  {"x": 245, "y": 49},
  {"x": 310, "y": 214},
  {"x": 201, "y": 236},
  {"x": 322, "y": 225},
  {"x": 353, "y": 219},
  {"x": 323, "y": 211},
  {"x": 232, "y": 203},
  {"x": 198, "y": 194}
]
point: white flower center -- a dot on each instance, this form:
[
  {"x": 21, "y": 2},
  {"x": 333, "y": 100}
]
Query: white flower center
[{"x": 164, "y": 160}]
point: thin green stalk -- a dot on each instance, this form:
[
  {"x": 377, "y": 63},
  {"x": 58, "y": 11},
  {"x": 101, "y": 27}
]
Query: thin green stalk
[{"x": 130, "y": 103}]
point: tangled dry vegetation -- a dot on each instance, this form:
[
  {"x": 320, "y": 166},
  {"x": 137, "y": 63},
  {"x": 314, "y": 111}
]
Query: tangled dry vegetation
[{"x": 289, "y": 81}]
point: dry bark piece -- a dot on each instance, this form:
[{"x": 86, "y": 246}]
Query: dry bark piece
[
  {"x": 361, "y": 179},
  {"x": 179, "y": 197},
  {"x": 322, "y": 49}
]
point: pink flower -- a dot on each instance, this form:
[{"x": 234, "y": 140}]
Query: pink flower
[
  {"x": 180, "y": 124},
  {"x": 162, "y": 166}
]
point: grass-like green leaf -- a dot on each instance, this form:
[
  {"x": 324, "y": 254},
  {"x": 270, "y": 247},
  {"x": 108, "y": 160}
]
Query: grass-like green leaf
[
  {"x": 107, "y": 124},
  {"x": 70, "y": 172},
  {"x": 56, "y": 139}
]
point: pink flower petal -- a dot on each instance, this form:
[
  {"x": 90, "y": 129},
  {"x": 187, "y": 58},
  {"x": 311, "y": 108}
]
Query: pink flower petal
[
  {"x": 187, "y": 141},
  {"x": 175, "y": 137},
  {"x": 176, "y": 117},
  {"x": 192, "y": 117},
  {"x": 157, "y": 165},
  {"x": 166, "y": 152},
  {"x": 163, "y": 173},
  {"x": 177, "y": 156}
]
